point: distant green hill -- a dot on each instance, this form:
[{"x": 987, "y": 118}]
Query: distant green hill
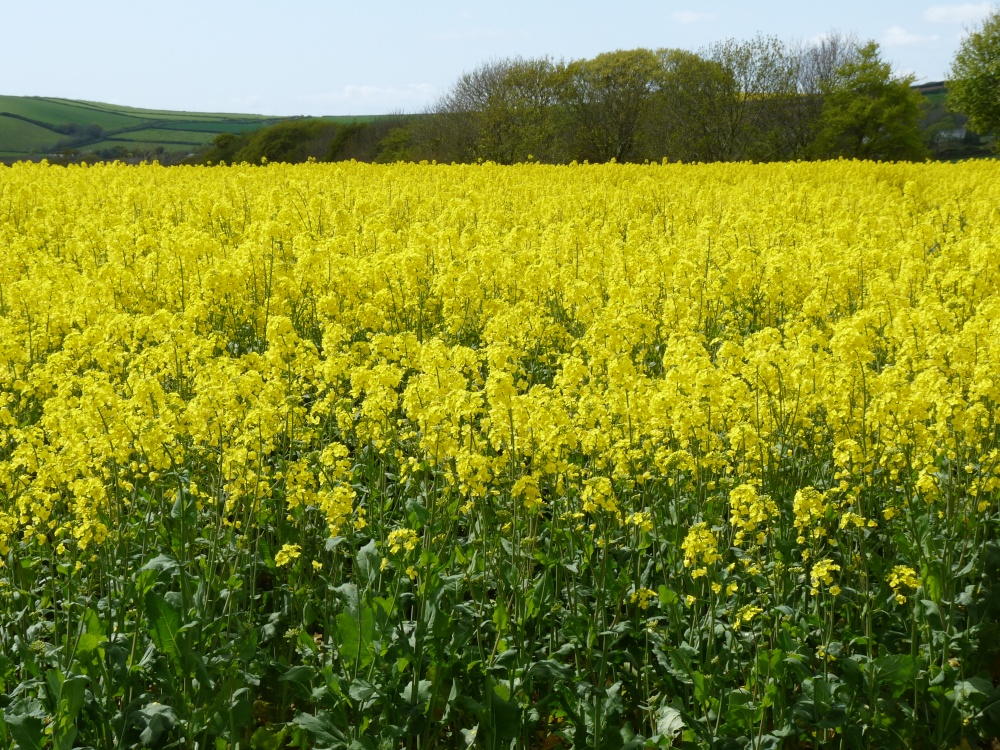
[{"x": 34, "y": 127}]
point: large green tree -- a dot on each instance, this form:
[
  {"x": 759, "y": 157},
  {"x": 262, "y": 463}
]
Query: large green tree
[
  {"x": 751, "y": 118},
  {"x": 610, "y": 100},
  {"x": 974, "y": 88},
  {"x": 869, "y": 113},
  {"x": 504, "y": 111},
  {"x": 688, "y": 123}
]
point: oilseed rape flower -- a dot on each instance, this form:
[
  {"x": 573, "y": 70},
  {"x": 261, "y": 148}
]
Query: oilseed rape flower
[
  {"x": 642, "y": 597},
  {"x": 288, "y": 554},
  {"x": 810, "y": 507},
  {"x": 822, "y": 573},
  {"x": 640, "y": 520},
  {"x": 750, "y": 512},
  {"x": 900, "y": 578},
  {"x": 700, "y": 545},
  {"x": 400, "y": 539},
  {"x": 746, "y": 615}
]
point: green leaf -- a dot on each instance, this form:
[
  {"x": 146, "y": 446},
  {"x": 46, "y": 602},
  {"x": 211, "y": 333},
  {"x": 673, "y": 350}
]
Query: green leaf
[
  {"x": 357, "y": 633},
  {"x": 162, "y": 564},
  {"x": 248, "y": 646},
  {"x": 549, "y": 669},
  {"x": 321, "y": 728},
  {"x": 240, "y": 706},
  {"x": 88, "y": 644},
  {"x": 896, "y": 670},
  {"x": 932, "y": 586},
  {"x": 469, "y": 736},
  {"x": 504, "y": 717},
  {"x": 967, "y": 690},
  {"x": 74, "y": 694},
  {"x": 500, "y": 617},
  {"x": 165, "y": 623},
  {"x": 368, "y": 561},
  {"x": 301, "y": 676},
  {"x": 363, "y": 692},
  {"x": 701, "y": 691},
  {"x": 667, "y": 597},
  {"x": 266, "y": 739},
  {"x": 669, "y": 721},
  {"x": 423, "y": 692},
  {"x": 184, "y": 509},
  {"x": 25, "y": 720},
  {"x": 158, "y": 720}
]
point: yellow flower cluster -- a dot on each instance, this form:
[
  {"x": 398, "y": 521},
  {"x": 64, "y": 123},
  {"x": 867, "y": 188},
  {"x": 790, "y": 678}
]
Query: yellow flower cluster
[
  {"x": 810, "y": 509},
  {"x": 746, "y": 615},
  {"x": 400, "y": 539},
  {"x": 642, "y": 597},
  {"x": 700, "y": 546},
  {"x": 822, "y": 573},
  {"x": 749, "y": 513},
  {"x": 288, "y": 554},
  {"x": 902, "y": 577},
  {"x": 629, "y": 346}
]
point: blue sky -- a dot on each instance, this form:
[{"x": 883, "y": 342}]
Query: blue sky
[{"x": 288, "y": 57}]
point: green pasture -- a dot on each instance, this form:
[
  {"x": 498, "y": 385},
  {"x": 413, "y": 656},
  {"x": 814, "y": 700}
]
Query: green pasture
[
  {"x": 18, "y": 136},
  {"x": 165, "y": 135},
  {"x": 33, "y": 127}
]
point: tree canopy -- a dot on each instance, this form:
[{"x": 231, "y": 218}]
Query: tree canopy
[
  {"x": 974, "y": 88},
  {"x": 758, "y": 100},
  {"x": 868, "y": 113},
  {"x": 753, "y": 100}
]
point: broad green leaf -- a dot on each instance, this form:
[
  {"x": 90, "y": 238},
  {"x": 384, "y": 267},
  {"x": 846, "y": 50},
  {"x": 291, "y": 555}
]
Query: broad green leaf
[
  {"x": 25, "y": 720},
  {"x": 165, "y": 625},
  {"x": 469, "y": 737},
  {"x": 321, "y": 728},
  {"x": 932, "y": 586},
  {"x": 158, "y": 720},
  {"x": 368, "y": 561},
  {"x": 667, "y": 596},
  {"x": 88, "y": 644},
  {"x": 896, "y": 670}
]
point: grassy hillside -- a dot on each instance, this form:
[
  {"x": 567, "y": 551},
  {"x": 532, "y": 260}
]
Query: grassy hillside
[{"x": 35, "y": 127}]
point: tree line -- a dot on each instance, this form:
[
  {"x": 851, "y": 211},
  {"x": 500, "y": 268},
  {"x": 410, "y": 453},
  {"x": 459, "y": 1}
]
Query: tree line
[
  {"x": 759, "y": 100},
  {"x": 755, "y": 100}
]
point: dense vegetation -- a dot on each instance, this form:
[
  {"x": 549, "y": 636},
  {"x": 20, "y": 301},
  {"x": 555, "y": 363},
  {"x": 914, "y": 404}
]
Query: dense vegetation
[
  {"x": 975, "y": 75},
  {"x": 611, "y": 456},
  {"x": 759, "y": 100},
  {"x": 314, "y": 140}
]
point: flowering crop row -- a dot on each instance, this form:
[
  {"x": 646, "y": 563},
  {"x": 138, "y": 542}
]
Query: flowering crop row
[{"x": 599, "y": 456}]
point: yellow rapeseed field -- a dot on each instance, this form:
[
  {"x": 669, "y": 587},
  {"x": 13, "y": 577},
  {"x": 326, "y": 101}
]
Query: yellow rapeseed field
[{"x": 682, "y": 453}]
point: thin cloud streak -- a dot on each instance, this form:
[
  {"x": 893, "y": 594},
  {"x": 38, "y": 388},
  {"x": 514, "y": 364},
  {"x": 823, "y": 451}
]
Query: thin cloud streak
[
  {"x": 897, "y": 36},
  {"x": 957, "y": 14}
]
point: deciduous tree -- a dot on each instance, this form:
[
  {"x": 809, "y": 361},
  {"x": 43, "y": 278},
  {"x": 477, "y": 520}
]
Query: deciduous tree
[
  {"x": 974, "y": 85},
  {"x": 869, "y": 113},
  {"x": 611, "y": 99}
]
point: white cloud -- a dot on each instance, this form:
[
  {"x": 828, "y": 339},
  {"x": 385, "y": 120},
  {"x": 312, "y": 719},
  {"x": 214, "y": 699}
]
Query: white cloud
[
  {"x": 687, "y": 16},
  {"x": 964, "y": 13},
  {"x": 897, "y": 36}
]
